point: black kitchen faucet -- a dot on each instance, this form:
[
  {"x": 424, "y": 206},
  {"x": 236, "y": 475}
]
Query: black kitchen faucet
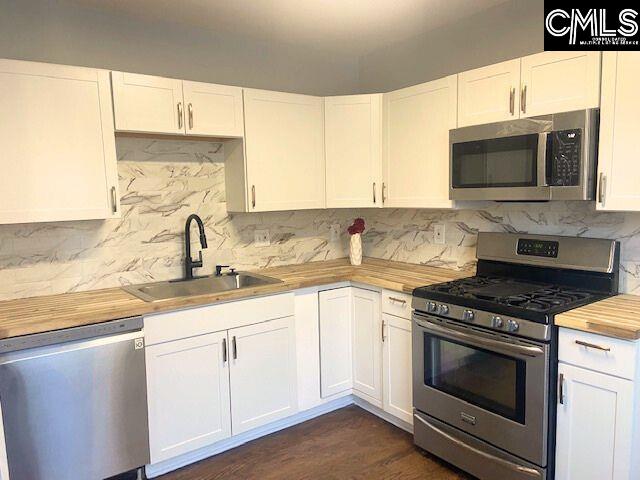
[{"x": 189, "y": 263}]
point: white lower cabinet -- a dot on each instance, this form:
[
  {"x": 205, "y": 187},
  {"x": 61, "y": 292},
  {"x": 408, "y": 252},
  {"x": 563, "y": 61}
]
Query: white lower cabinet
[
  {"x": 597, "y": 421},
  {"x": 263, "y": 373},
  {"x": 397, "y": 367},
  {"x": 188, "y": 391},
  {"x": 367, "y": 345},
  {"x": 336, "y": 372}
]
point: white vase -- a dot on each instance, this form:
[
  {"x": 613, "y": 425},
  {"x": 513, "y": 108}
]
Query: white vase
[{"x": 355, "y": 250}]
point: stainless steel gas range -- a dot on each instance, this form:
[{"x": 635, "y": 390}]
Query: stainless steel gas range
[{"x": 485, "y": 351}]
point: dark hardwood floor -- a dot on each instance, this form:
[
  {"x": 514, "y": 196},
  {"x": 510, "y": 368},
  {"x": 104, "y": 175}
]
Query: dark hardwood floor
[{"x": 349, "y": 443}]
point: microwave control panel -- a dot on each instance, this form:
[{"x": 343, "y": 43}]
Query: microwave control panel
[{"x": 563, "y": 158}]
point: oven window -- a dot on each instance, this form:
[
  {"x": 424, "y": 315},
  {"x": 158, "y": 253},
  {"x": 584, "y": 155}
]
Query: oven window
[
  {"x": 489, "y": 380},
  {"x": 499, "y": 162}
]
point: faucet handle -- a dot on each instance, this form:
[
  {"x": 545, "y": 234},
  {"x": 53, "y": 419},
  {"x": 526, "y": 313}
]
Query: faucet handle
[{"x": 198, "y": 263}]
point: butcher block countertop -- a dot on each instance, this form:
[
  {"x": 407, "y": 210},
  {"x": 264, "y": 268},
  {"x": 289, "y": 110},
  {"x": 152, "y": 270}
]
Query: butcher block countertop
[
  {"x": 53, "y": 312},
  {"x": 617, "y": 317}
]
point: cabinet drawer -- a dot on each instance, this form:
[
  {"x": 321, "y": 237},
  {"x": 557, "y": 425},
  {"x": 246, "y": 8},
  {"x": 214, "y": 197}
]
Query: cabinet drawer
[
  {"x": 395, "y": 303},
  {"x": 165, "y": 327},
  {"x": 596, "y": 352}
]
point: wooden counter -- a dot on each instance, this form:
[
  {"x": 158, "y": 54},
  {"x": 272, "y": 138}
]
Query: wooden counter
[
  {"x": 617, "y": 317},
  {"x": 40, "y": 314}
]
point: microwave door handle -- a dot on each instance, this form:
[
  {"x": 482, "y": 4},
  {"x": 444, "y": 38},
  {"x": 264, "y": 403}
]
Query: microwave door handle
[
  {"x": 542, "y": 159},
  {"x": 497, "y": 345}
]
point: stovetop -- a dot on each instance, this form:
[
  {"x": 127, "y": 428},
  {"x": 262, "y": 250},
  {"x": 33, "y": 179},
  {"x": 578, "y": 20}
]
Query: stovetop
[{"x": 508, "y": 296}]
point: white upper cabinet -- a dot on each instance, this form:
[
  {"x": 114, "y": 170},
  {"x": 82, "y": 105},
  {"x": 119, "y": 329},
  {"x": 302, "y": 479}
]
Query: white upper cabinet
[
  {"x": 367, "y": 345},
  {"x": 353, "y": 142},
  {"x": 263, "y": 373},
  {"x": 416, "y": 144},
  {"x": 489, "y": 94},
  {"x": 559, "y": 82},
  {"x": 618, "y": 186},
  {"x": 58, "y": 148},
  {"x": 284, "y": 151},
  {"x": 148, "y": 104},
  {"x": 144, "y": 103},
  {"x": 213, "y": 109},
  {"x": 188, "y": 394}
]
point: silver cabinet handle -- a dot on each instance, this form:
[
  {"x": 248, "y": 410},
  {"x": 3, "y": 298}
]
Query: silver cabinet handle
[
  {"x": 179, "y": 114},
  {"x": 399, "y": 300},
  {"x": 253, "y": 196},
  {"x": 512, "y": 101},
  {"x": 384, "y": 191},
  {"x": 561, "y": 389},
  {"x": 374, "y": 192},
  {"x": 224, "y": 350},
  {"x": 382, "y": 330},
  {"x": 114, "y": 200},
  {"x": 523, "y": 99},
  {"x": 601, "y": 188},
  {"x": 234, "y": 347},
  {"x": 592, "y": 345},
  {"x": 190, "y": 110}
]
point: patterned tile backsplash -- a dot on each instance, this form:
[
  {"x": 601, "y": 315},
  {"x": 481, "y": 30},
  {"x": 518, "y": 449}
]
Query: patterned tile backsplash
[{"x": 163, "y": 181}]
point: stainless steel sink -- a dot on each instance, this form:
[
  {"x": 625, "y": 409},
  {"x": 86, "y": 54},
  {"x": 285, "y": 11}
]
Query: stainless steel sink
[{"x": 152, "y": 292}]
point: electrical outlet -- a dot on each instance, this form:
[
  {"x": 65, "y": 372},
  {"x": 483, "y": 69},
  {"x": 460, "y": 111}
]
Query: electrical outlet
[
  {"x": 335, "y": 232},
  {"x": 438, "y": 233},
  {"x": 261, "y": 238}
]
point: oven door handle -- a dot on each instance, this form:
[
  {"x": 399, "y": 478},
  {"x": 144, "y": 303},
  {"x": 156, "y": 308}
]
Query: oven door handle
[
  {"x": 509, "y": 348},
  {"x": 542, "y": 159},
  {"x": 521, "y": 469}
]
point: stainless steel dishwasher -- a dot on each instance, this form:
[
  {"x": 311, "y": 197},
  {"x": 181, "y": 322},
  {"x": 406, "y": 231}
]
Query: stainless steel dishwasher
[{"x": 74, "y": 402}]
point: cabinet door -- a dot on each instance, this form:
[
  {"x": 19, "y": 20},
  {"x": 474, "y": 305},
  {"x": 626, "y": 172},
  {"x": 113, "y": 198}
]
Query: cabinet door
[
  {"x": 554, "y": 82},
  {"x": 213, "y": 110},
  {"x": 308, "y": 349},
  {"x": 263, "y": 373},
  {"x": 188, "y": 390},
  {"x": 336, "y": 373},
  {"x": 353, "y": 142},
  {"x": 489, "y": 94},
  {"x": 618, "y": 186},
  {"x": 367, "y": 345},
  {"x": 595, "y": 422},
  {"x": 416, "y": 144},
  {"x": 144, "y": 103},
  {"x": 397, "y": 367},
  {"x": 58, "y": 148},
  {"x": 284, "y": 139}
]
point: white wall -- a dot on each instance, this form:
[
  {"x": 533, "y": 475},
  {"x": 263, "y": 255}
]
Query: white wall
[
  {"x": 513, "y": 29},
  {"x": 50, "y": 31}
]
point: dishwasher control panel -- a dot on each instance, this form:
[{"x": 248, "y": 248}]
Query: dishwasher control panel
[{"x": 71, "y": 334}]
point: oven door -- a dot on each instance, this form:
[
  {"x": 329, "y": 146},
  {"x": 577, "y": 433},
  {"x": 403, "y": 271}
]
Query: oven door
[
  {"x": 488, "y": 165},
  {"x": 492, "y": 386}
]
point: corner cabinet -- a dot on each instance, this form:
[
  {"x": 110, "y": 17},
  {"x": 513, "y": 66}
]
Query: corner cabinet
[
  {"x": 56, "y": 130},
  {"x": 283, "y": 166},
  {"x": 618, "y": 187},
  {"x": 150, "y": 104},
  {"x": 417, "y": 121},
  {"x": 597, "y": 422},
  {"x": 353, "y": 143}
]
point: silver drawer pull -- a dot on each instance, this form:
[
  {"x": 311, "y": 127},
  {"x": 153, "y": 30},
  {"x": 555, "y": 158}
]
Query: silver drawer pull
[
  {"x": 399, "y": 300},
  {"x": 592, "y": 345}
]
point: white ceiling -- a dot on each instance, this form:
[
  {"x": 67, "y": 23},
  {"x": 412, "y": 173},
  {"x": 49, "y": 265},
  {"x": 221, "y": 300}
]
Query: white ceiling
[{"x": 351, "y": 27}]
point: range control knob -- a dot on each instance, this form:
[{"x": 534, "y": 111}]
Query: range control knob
[
  {"x": 432, "y": 307},
  {"x": 496, "y": 322},
  {"x": 443, "y": 309},
  {"x": 512, "y": 326},
  {"x": 468, "y": 315}
]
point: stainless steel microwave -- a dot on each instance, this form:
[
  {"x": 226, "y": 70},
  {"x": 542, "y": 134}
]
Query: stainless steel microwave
[{"x": 550, "y": 157}]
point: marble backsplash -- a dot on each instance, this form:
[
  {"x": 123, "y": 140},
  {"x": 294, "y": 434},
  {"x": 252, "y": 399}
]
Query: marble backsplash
[{"x": 163, "y": 181}]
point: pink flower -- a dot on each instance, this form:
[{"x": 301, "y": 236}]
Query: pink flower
[{"x": 357, "y": 227}]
